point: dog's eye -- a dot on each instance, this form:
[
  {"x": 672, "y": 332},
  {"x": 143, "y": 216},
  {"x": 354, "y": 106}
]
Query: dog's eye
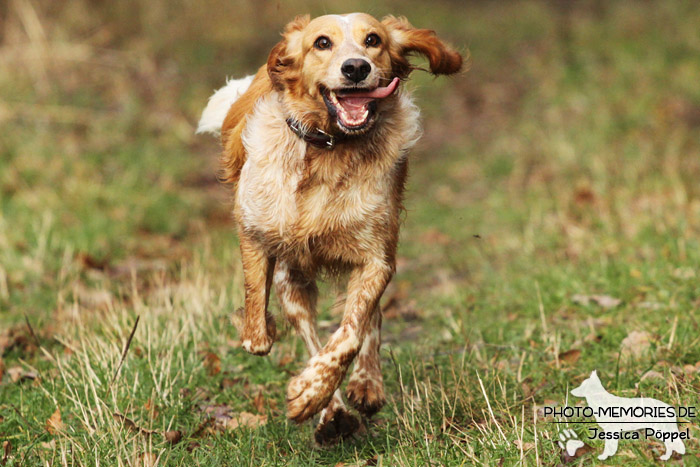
[
  {"x": 323, "y": 43},
  {"x": 373, "y": 40}
]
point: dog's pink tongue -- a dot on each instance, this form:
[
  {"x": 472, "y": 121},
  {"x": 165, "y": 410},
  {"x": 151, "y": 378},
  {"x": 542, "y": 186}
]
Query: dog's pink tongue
[{"x": 380, "y": 93}]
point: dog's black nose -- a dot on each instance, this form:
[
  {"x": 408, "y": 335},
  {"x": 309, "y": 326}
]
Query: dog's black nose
[{"x": 356, "y": 69}]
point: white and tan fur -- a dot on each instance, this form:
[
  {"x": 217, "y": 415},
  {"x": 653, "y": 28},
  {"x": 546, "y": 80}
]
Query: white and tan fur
[{"x": 302, "y": 210}]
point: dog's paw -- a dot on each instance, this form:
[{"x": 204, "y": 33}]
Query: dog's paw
[
  {"x": 334, "y": 427},
  {"x": 258, "y": 341},
  {"x": 366, "y": 396},
  {"x": 310, "y": 392},
  {"x": 258, "y": 347}
]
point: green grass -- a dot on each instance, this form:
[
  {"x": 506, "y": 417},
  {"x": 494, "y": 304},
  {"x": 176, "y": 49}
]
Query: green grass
[{"x": 565, "y": 162}]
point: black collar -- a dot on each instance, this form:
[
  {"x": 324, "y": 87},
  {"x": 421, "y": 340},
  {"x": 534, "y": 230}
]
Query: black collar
[{"x": 318, "y": 138}]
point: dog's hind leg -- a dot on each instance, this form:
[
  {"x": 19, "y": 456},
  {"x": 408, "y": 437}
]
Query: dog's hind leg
[
  {"x": 258, "y": 333},
  {"x": 297, "y": 295},
  {"x": 365, "y": 389}
]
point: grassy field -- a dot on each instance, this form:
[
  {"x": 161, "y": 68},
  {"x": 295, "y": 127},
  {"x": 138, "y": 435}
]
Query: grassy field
[{"x": 552, "y": 228}]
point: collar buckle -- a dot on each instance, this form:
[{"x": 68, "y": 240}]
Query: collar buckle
[{"x": 317, "y": 137}]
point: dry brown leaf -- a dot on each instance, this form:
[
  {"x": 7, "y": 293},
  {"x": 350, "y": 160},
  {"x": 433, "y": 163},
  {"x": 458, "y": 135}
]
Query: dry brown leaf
[
  {"x": 259, "y": 402},
  {"x": 604, "y": 301},
  {"x": 51, "y": 445},
  {"x": 16, "y": 337},
  {"x": 130, "y": 425},
  {"x": 17, "y": 374},
  {"x": 173, "y": 436},
  {"x": 7, "y": 449},
  {"x": 225, "y": 418},
  {"x": 570, "y": 356},
  {"x": 651, "y": 374},
  {"x": 246, "y": 419},
  {"x": 88, "y": 261},
  {"x": 286, "y": 360},
  {"x": 636, "y": 343},
  {"x": 525, "y": 446},
  {"x": 212, "y": 363},
  {"x": 54, "y": 424}
]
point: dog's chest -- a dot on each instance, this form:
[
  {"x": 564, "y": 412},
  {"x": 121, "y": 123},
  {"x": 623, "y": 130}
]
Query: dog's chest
[{"x": 282, "y": 194}]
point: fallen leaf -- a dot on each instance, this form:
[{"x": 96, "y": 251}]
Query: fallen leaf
[
  {"x": 173, "y": 436},
  {"x": 51, "y": 445},
  {"x": 525, "y": 446},
  {"x": 225, "y": 418},
  {"x": 570, "y": 356},
  {"x": 584, "y": 195},
  {"x": 604, "y": 301},
  {"x": 212, "y": 363},
  {"x": 259, "y": 402},
  {"x": 246, "y": 419},
  {"x": 130, "y": 425},
  {"x": 651, "y": 374},
  {"x": 54, "y": 424},
  {"x": 286, "y": 360},
  {"x": 17, "y": 374},
  {"x": 227, "y": 382},
  {"x": 7, "y": 449},
  {"x": 636, "y": 343},
  {"x": 90, "y": 262},
  {"x": 16, "y": 337}
]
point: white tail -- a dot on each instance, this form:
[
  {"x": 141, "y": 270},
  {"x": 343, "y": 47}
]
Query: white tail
[{"x": 219, "y": 104}]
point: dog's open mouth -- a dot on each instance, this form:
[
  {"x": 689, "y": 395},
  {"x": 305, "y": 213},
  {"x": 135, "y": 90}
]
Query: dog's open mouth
[{"x": 354, "y": 107}]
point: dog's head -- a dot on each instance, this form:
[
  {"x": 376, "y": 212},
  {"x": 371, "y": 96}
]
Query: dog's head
[
  {"x": 339, "y": 72},
  {"x": 589, "y": 387}
]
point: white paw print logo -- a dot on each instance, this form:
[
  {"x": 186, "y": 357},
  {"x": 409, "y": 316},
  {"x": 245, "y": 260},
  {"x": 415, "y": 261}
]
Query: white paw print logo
[{"x": 570, "y": 442}]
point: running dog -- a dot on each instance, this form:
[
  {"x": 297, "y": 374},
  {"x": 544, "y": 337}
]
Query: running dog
[{"x": 315, "y": 145}]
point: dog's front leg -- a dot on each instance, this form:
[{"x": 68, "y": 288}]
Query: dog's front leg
[
  {"x": 259, "y": 329},
  {"x": 311, "y": 391}
]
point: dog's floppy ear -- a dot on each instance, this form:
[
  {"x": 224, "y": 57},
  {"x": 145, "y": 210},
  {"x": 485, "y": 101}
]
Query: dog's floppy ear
[
  {"x": 286, "y": 53},
  {"x": 405, "y": 39}
]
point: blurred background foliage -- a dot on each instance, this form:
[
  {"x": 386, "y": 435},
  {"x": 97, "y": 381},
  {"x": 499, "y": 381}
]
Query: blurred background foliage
[
  {"x": 565, "y": 161},
  {"x": 572, "y": 137}
]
